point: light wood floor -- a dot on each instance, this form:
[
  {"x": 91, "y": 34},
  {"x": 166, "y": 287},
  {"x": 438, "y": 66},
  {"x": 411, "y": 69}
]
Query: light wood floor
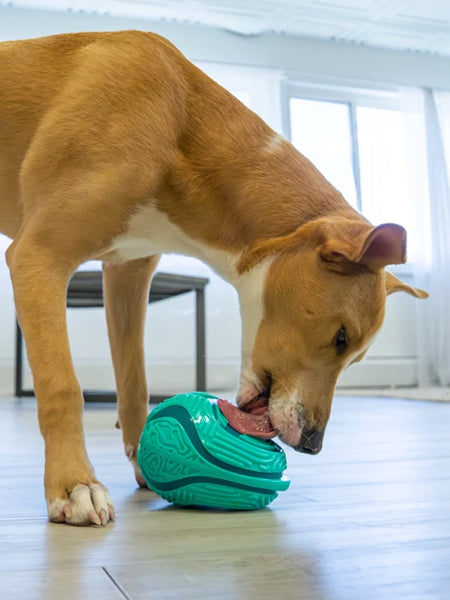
[{"x": 369, "y": 518}]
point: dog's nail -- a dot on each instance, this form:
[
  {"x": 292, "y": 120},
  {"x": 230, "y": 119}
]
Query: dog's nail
[
  {"x": 67, "y": 511},
  {"x": 103, "y": 516},
  {"x": 60, "y": 518},
  {"x": 112, "y": 512},
  {"x": 94, "y": 518}
]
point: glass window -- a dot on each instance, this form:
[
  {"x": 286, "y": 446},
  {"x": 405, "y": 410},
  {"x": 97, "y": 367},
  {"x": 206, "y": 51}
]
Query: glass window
[
  {"x": 383, "y": 167},
  {"x": 376, "y": 146},
  {"x": 321, "y": 131}
]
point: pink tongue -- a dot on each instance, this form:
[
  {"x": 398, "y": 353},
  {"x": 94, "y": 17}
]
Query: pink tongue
[{"x": 257, "y": 425}]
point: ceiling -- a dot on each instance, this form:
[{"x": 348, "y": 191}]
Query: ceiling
[{"x": 413, "y": 25}]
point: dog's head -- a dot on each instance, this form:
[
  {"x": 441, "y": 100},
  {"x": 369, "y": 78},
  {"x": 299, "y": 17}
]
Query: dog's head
[{"x": 311, "y": 304}]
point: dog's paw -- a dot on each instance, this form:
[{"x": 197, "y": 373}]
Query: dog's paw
[
  {"x": 131, "y": 454},
  {"x": 85, "y": 505},
  {"x": 138, "y": 474}
]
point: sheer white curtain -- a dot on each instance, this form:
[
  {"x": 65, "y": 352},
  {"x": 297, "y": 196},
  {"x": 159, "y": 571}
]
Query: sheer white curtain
[{"x": 427, "y": 120}]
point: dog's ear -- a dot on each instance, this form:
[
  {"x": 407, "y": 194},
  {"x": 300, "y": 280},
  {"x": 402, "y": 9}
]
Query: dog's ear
[
  {"x": 393, "y": 284},
  {"x": 353, "y": 247},
  {"x": 344, "y": 246}
]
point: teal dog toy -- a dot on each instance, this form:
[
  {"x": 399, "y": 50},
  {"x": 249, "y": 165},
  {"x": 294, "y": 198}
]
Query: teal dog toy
[{"x": 190, "y": 455}]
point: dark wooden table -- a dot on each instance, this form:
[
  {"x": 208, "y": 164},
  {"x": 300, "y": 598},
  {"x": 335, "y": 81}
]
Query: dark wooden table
[{"x": 86, "y": 291}]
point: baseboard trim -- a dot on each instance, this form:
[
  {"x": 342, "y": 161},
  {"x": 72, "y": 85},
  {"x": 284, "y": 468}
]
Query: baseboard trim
[
  {"x": 373, "y": 372},
  {"x": 173, "y": 377},
  {"x": 164, "y": 378}
]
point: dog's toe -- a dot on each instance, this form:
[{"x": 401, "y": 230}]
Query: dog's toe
[
  {"x": 139, "y": 477},
  {"x": 85, "y": 505}
]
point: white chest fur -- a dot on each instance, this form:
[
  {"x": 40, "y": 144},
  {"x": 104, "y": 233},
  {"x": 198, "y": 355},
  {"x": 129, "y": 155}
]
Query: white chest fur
[{"x": 150, "y": 232}]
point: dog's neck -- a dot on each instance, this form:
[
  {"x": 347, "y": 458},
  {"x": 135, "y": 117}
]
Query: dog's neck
[
  {"x": 231, "y": 182},
  {"x": 226, "y": 201},
  {"x": 234, "y": 181},
  {"x": 215, "y": 207}
]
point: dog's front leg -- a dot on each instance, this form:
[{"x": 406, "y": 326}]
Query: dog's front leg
[
  {"x": 126, "y": 286},
  {"x": 40, "y": 276}
]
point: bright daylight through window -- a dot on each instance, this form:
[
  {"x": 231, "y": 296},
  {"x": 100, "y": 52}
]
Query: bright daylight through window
[{"x": 363, "y": 154}]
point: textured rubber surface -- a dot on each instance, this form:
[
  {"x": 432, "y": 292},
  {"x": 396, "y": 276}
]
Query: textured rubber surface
[{"x": 191, "y": 456}]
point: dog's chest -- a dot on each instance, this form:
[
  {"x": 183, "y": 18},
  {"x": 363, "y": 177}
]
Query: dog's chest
[{"x": 150, "y": 232}]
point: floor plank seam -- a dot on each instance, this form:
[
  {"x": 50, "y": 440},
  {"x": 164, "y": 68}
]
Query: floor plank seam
[{"x": 117, "y": 584}]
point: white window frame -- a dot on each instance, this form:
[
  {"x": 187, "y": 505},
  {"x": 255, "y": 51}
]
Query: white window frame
[
  {"x": 352, "y": 97},
  {"x": 340, "y": 95}
]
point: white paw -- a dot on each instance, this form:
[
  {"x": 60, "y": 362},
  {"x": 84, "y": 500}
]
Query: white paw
[{"x": 86, "y": 505}]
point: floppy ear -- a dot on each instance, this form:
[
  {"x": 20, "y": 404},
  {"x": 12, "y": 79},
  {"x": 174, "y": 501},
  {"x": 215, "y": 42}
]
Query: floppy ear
[
  {"x": 393, "y": 284},
  {"x": 356, "y": 246}
]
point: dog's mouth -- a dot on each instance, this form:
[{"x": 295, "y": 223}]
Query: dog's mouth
[{"x": 253, "y": 419}]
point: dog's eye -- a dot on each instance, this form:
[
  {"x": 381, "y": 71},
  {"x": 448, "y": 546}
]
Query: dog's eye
[{"x": 340, "y": 341}]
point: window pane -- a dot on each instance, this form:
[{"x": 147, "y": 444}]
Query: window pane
[
  {"x": 321, "y": 131},
  {"x": 383, "y": 167}
]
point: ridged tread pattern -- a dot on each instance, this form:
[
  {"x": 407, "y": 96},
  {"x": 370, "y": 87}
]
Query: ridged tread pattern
[
  {"x": 216, "y": 495},
  {"x": 190, "y": 456}
]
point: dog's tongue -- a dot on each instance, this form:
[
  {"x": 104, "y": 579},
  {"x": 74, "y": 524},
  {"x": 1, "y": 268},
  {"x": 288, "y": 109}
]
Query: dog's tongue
[{"x": 255, "y": 423}]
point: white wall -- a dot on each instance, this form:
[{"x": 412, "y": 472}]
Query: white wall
[
  {"x": 170, "y": 329},
  {"x": 312, "y": 58},
  {"x": 170, "y": 336}
]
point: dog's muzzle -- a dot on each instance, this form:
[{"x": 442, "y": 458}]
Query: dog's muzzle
[{"x": 310, "y": 441}]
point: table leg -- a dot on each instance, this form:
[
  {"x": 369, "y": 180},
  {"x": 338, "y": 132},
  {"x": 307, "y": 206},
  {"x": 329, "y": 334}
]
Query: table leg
[{"x": 200, "y": 340}]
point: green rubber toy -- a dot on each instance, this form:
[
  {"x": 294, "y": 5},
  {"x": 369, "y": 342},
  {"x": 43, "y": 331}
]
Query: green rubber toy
[{"x": 189, "y": 455}]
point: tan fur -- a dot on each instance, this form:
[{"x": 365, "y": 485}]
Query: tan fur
[
  {"x": 126, "y": 306},
  {"x": 95, "y": 127}
]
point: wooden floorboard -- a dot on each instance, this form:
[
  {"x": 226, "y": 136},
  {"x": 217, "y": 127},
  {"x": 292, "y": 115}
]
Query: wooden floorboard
[{"x": 369, "y": 518}]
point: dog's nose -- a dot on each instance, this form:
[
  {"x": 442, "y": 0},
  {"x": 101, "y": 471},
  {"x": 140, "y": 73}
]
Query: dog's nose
[{"x": 310, "y": 441}]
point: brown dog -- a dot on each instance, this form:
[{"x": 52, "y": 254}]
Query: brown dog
[{"x": 114, "y": 146}]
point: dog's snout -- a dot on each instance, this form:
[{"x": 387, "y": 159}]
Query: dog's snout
[{"x": 310, "y": 440}]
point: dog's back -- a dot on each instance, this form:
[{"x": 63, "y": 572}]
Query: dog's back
[
  {"x": 35, "y": 74},
  {"x": 32, "y": 72}
]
